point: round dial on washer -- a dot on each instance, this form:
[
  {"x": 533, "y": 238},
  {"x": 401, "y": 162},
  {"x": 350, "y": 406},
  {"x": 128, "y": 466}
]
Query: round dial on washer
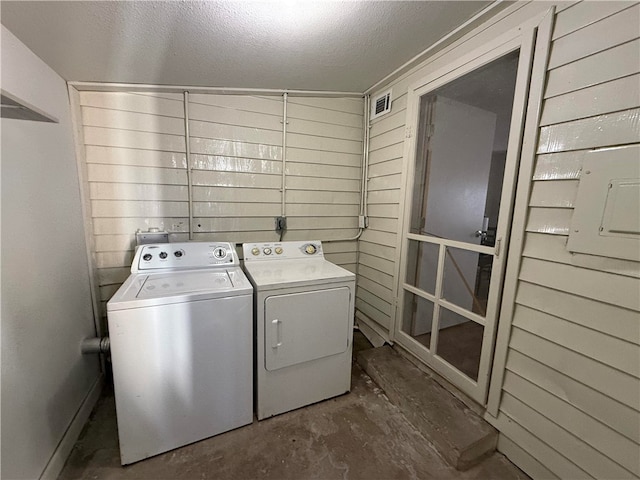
[
  {"x": 220, "y": 253},
  {"x": 278, "y": 250},
  {"x": 163, "y": 255},
  {"x": 178, "y": 253},
  {"x": 266, "y": 251},
  {"x": 310, "y": 249},
  {"x": 147, "y": 256},
  {"x": 255, "y": 251}
]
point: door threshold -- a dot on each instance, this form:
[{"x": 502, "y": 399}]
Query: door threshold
[{"x": 460, "y": 435}]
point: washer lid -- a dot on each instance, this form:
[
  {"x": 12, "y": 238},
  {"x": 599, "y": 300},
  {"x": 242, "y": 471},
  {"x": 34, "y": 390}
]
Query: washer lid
[
  {"x": 144, "y": 290},
  {"x": 164, "y": 285},
  {"x": 291, "y": 273}
]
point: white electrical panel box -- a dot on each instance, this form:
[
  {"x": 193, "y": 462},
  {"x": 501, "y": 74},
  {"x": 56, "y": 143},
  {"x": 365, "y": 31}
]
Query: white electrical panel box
[{"x": 606, "y": 219}]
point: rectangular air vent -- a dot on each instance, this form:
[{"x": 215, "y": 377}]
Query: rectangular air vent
[{"x": 381, "y": 104}]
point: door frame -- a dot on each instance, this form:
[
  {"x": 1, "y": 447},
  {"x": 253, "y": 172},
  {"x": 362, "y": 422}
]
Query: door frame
[{"x": 525, "y": 40}]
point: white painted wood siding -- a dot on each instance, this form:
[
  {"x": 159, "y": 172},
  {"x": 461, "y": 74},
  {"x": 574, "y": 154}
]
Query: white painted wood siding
[
  {"x": 572, "y": 383},
  {"x": 377, "y": 244},
  {"x": 136, "y": 173},
  {"x": 570, "y": 405},
  {"x": 136, "y": 170}
]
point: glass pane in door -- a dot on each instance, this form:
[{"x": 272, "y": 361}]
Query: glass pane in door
[
  {"x": 461, "y": 151},
  {"x": 460, "y": 342},
  {"x": 417, "y": 318},
  {"x": 466, "y": 279},
  {"x": 422, "y": 265}
]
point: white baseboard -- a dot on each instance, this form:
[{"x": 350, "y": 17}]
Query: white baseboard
[
  {"x": 60, "y": 455},
  {"x": 376, "y": 339}
]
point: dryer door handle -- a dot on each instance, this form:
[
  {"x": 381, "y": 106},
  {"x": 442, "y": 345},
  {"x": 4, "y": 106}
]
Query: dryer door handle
[{"x": 276, "y": 335}]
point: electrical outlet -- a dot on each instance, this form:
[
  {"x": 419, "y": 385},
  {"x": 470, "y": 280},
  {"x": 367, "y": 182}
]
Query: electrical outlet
[{"x": 281, "y": 224}]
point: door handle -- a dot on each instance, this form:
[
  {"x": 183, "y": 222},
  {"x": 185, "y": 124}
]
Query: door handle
[
  {"x": 481, "y": 233},
  {"x": 276, "y": 337}
]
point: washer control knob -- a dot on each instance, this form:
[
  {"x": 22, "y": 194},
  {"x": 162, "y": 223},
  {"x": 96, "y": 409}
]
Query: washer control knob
[
  {"x": 255, "y": 251},
  {"x": 279, "y": 250},
  {"x": 163, "y": 255},
  {"x": 178, "y": 253},
  {"x": 267, "y": 251},
  {"x": 310, "y": 249},
  {"x": 220, "y": 253},
  {"x": 147, "y": 256}
]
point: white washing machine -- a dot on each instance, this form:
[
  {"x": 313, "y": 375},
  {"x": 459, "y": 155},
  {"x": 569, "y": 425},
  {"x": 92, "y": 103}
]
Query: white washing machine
[
  {"x": 181, "y": 334},
  {"x": 304, "y": 307}
]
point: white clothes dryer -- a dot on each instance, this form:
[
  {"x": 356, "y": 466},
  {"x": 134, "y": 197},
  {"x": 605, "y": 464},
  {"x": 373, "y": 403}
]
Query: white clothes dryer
[
  {"x": 304, "y": 307},
  {"x": 181, "y": 335}
]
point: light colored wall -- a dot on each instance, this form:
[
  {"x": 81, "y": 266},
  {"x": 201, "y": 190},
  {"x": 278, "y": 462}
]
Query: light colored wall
[
  {"x": 134, "y": 146},
  {"x": 571, "y": 392},
  {"x": 46, "y": 305},
  {"x": 570, "y": 404}
]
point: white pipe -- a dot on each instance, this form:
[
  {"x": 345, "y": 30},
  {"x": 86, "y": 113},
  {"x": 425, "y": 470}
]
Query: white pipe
[
  {"x": 365, "y": 159},
  {"x": 285, "y": 96},
  {"x": 364, "y": 180},
  {"x": 138, "y": 87},
  {"x": 350, "y": 239},
  {"x": 188, "y": 155},
  {"x": 95, "y": 345}
]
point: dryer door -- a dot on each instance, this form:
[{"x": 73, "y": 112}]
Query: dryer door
[{"x": 300, "y": 327}]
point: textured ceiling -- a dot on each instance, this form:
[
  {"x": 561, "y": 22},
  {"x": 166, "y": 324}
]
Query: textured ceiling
[{"x": 306, "y": 45}]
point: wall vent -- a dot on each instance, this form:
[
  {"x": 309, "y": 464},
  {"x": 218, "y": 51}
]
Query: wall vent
[{"x": 381, "y": 105}]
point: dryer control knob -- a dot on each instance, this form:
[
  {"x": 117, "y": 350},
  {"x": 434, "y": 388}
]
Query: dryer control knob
[
  {"x": 163, "y": 255},
  {"x": 278, "y": 250},
  {"x": 255, "y": 251},
  {"x": 147, "y": 256},
  {"x": 310, "y": 249},
  {"x": 267, "y": 251}
]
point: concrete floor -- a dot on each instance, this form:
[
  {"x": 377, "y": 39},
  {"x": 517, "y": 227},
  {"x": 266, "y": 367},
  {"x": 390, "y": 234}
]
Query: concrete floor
[{"x": 360, "y": 435}]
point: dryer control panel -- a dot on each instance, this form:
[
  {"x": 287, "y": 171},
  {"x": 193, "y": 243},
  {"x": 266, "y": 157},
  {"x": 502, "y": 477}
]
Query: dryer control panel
[
  {"x": 282, "y": 250},
  {"x": 184, "y": 255}
]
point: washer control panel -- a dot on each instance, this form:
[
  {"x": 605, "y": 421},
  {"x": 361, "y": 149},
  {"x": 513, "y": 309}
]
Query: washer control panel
[
  {"x": 184, "y": 255},
  {"x": 282, "y": 250}
]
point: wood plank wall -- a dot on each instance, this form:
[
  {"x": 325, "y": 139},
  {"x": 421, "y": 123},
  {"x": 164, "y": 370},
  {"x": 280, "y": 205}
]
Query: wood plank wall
[
  {"x": 136, "y": 171},
  {"x": 571, "y": 396},
  {"x": 571, "y": 393}
]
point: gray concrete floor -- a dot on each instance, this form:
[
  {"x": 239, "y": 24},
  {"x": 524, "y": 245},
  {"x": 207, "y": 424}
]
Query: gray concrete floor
[{"x": 360, "y": 435}]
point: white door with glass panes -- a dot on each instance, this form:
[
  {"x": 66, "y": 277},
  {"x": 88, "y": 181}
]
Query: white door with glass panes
[{"x": 461, "y": 172}]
